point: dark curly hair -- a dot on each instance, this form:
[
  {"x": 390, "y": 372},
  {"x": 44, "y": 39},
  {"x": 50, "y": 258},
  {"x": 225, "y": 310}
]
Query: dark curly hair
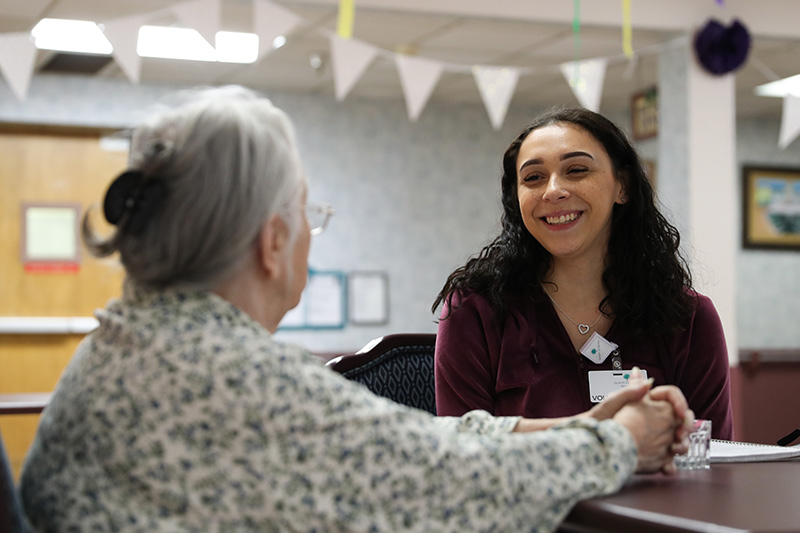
[{"x": 646, "y": 276}]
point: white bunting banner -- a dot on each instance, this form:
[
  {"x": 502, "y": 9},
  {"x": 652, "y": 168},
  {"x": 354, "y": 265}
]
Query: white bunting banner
[
  {"x": 201, "y": 15},
  {"x": 418, "y": 78},
  {"x": 123, "y": 34},
  {"x": 17, "y": 59},
  {"x": 790, "y": 120},
  {"x": 350, "y": 58},
  {"x": 271, "y": 21},
  {"x": 496, "y": 86},
  {"x": 585, "y": 78}
]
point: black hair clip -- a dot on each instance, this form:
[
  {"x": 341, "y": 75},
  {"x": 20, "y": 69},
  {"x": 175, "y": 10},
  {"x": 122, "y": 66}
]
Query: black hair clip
[{"x": 131, "y": 193}]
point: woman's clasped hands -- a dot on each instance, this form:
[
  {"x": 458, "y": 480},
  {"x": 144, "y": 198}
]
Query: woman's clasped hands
[{"x": 659, "y": 420}]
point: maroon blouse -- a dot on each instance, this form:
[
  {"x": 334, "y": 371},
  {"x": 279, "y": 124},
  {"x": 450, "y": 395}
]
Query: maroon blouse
[{"x": 529, "y": 367}]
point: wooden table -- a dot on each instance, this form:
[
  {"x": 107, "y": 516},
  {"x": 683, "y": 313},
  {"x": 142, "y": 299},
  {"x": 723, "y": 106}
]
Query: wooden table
[{"x": 727, "y": 498}]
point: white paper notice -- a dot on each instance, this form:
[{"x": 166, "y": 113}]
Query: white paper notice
[
  {"x": 324, "y": 300},
  {"x": 368, "y": 298},
  {"x": 296, "y": 317},
  {"x": 50, "y": 234}
]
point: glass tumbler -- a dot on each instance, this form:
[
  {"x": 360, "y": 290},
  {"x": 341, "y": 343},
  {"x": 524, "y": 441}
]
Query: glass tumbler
[{"x": 698, "y": 456}]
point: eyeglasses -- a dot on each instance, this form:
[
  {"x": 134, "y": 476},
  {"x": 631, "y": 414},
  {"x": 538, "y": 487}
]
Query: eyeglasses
[{"x": 318, "y": 216}]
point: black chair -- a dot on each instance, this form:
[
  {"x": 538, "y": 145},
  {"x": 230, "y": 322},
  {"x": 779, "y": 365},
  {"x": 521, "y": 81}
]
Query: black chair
[
  {"x": 12, "y": 519},
  {"x": 399, "y": 367}
]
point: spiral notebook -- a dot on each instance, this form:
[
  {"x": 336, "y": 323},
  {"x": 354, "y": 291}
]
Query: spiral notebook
[{"x": 726, "y": 451}]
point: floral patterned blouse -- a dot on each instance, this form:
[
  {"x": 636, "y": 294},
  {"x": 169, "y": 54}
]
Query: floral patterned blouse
[{"x": 181, "y": 413}]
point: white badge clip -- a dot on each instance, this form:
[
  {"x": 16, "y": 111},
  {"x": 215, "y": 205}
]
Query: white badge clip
[{"x": 598, "y": 348}]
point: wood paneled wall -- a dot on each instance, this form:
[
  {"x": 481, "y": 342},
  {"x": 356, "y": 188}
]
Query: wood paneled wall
[
  {"x": 58, "y": 166},
  {"x": 769, "y": 407}
]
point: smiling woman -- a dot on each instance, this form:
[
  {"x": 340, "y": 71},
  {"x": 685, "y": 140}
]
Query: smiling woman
[
  {"x": 585, "y": 260},
  {"x": 567, "y": 189}
]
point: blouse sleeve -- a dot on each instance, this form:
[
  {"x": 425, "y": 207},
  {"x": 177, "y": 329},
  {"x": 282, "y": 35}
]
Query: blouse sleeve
[
  {"x": 705, "y": 379},
  {"x": 462, "y": 364},
  {"x": 380, "y": 466}
]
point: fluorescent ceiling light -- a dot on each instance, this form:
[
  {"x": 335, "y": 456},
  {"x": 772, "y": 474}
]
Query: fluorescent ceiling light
[
  {"x": 80, "y": 36},
  {"x": 235, "y": 47},
  {"x": 84, "y": 36},
  {"x": 174, "y": 43},
  {"x": 184, "y": 43},
  {"x": 780, "y": 88}
]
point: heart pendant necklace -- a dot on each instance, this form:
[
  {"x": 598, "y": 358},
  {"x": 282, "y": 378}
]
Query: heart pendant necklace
[{"x": 583, "y": 328}]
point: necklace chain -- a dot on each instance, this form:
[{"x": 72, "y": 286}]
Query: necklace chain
[{"x": 582, "y": 328}]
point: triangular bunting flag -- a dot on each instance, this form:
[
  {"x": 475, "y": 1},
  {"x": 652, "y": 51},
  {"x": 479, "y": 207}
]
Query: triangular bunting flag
[
  {"x": 17, "y": 59},
  {"x": 585, "y": 78},
  {"x": 350, "y": 58},
  {"x": 496, "y": 85},
  {"x": 201, "y": 15},
  {"x": 124, "y": 34},
  {"x": 418, "y": 78},
  {"x": 790, "y": 120},
  {"x": 271, "y": 21}
]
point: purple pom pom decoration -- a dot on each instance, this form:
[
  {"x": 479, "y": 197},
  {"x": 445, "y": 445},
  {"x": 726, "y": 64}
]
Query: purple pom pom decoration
[{"x": 721, "y": 49}]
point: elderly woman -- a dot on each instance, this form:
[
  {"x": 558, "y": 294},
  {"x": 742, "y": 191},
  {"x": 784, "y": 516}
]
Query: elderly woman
[{"x": 181, "y": 412}]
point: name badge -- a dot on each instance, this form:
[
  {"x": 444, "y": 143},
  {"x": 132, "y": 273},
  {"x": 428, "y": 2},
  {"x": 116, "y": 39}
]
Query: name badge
[
  {"x": 604, "y": 382},
  {"x": 598, "y": 348}
]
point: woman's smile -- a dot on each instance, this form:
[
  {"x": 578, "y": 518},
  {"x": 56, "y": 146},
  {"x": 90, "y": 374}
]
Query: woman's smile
[{"x": 562, "y": 219}]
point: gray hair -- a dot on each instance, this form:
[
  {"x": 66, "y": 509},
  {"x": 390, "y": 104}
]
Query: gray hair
[{"x": 228, "y": 160}]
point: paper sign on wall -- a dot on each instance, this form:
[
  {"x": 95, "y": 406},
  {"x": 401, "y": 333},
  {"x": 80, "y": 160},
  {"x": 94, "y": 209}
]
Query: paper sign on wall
[{"x": 50, "y": 238}]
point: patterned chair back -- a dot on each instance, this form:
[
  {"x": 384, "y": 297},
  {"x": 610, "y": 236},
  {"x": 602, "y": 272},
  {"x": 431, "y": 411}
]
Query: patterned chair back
[{"x": 398, "y": 367}]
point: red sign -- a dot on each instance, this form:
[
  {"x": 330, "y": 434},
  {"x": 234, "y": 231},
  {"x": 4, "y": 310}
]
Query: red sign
[{"x": 52, "y": 267}]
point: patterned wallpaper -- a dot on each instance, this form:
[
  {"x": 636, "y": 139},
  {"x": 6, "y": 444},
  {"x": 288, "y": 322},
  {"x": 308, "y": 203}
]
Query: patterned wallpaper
[{"x": 416, "y": 200}]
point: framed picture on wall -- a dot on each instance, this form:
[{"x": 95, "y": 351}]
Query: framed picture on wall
[
  {"x": 771, "y": 208},
  {"x": 644, "y": 114},
  {"x": 368, "y": 298},
  {"x": 323, "y": 304}
]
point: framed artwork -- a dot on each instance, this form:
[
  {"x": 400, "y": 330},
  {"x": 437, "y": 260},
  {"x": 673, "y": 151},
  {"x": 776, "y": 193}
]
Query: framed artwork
[
  {"x": 323, "y": 304},
  {"x": 771, "y": 208},
  {"x": 368, "y": 295},
  {"x": 644, "y": 114}
]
